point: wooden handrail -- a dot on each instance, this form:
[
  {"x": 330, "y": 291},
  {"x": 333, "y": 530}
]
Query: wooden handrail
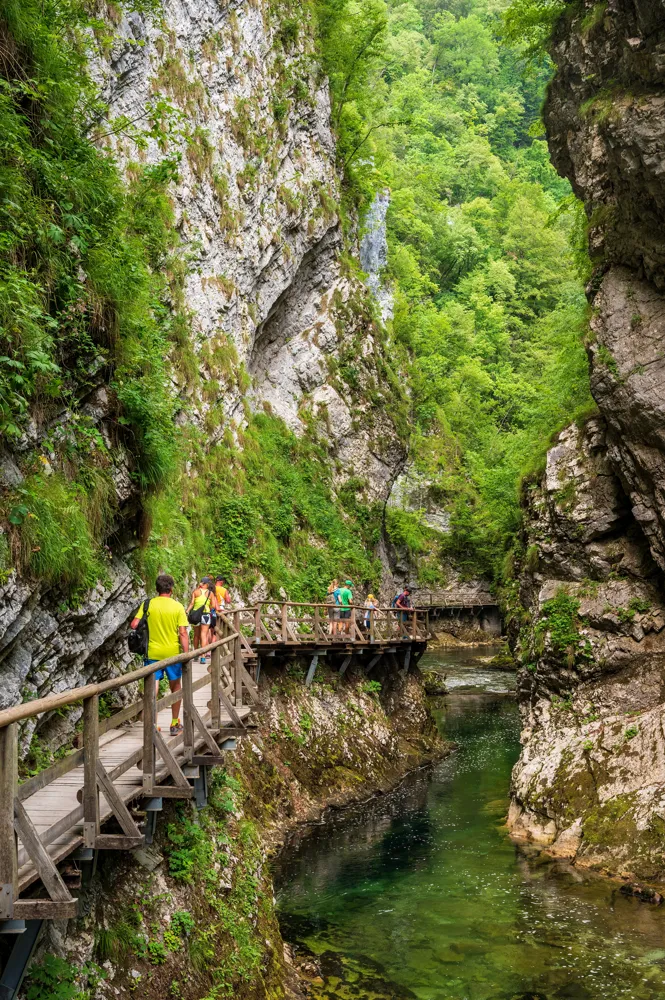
[{"x": 27, "y": 709}]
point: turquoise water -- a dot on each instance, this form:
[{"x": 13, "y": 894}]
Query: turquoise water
[{"x": 422, "y": 894}]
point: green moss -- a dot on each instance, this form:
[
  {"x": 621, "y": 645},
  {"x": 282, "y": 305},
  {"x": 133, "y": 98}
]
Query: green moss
[
  {"x": 84, "y": 263},
  {"x": 559, "y": 622}
]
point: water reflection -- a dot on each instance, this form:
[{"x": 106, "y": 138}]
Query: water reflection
[{"x": 422, "y": 894}]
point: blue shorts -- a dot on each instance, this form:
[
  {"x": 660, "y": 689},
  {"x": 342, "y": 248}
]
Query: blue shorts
[{"x": 174, "y": 672}]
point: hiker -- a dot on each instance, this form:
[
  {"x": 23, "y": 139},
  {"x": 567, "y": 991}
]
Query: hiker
[
  {"x": 168, "y": 635},
  {"x": 223, "y": 596},
  {"x": 223, "y": 602},
  {"x": 370, "y": 605},
  {"x": 345, "y": 602},
  {"x": 333, "y": 609},
  {"x": 199, "y": 612},
  {"x": 403, "y": 600}
]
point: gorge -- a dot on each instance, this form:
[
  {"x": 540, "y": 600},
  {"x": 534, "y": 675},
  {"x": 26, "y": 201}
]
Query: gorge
[{"x": 295, "y": 291}]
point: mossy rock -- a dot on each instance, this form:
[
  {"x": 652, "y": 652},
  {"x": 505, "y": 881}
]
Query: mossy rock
[{"x": 433, "y": 683}]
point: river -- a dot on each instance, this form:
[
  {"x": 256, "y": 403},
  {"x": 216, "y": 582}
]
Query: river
[{"x": 422, "y": 893}]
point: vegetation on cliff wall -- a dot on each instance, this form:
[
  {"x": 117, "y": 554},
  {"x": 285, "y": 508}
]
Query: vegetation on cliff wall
[
  {"x": 96, "y": 356},
  {"x": 487, "y": 254},
  {"x": 484, "y": 260}
]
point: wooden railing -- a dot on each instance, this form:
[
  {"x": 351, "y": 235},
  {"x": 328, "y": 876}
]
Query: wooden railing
[
  {"x": 297, "y": 622},
  {"x": 427, "y": 599},
  {"x": 124, "y": 758},
  {"x": 227, "y": 678}
]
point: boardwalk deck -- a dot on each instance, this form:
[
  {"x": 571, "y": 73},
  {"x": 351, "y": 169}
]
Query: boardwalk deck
[
  {"x": 131, "y": 759},
  {"x": 118, "y": 752}
]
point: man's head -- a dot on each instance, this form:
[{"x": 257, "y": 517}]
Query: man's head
[
  {"x": 164, "y": 584},
  {"x": 348, "y": 584},
  {"x": 407, "y": 591},
  {"x": 220, "y": 579}
]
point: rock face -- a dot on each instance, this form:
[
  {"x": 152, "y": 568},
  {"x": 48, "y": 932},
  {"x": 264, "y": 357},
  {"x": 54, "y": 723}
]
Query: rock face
[
  {"x": 245, "y": 114},
  {"x": 589, "y": 611}
]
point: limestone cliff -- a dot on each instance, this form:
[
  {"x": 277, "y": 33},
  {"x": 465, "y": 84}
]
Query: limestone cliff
[
  {"x": 277, "y": 316},
  {"x": 589, "y": 611}
]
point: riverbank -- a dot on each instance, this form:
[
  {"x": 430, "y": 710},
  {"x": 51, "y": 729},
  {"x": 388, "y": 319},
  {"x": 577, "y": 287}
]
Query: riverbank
[{"x": 192, "y": 916}]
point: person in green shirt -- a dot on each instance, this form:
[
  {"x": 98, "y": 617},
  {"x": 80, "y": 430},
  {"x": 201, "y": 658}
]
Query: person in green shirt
[
  {"x": 168, "y": 634},
  {"x": 345, "y": 601}
]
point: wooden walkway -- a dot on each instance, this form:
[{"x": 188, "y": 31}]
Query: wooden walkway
[
  {"x": 87, "y": 801},
  {"x": 58, "y": 804}
]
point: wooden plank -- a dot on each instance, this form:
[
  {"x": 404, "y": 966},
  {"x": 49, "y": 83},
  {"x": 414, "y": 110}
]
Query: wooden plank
[
  {"x": 207, "y": 735},
  {"x": 215, "y": 681},
  {"x": 211, "y": 760},
  {"x": 238, "y": 668},
  {"x": 120, "y": 810},
  {"x": 235, "y": 718},
  {"x": 249, "y": 683},
  {"x": 148, "y": 727},
  {"x": 49, "y": 774},
  {"x": 8, "y": 859},
  {"x": 45, "y": 909},
  {"x": 172, "y": 792},
  {"x": 170, "y": 761},
  {"x": 39, "y": 856},
  {"x": 187, "y": 703},
  {"x": 91, "y": 759},
  {"x": 116, "y": 842}
]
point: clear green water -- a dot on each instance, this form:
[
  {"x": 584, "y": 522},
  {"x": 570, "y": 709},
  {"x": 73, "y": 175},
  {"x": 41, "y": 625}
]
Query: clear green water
[{"x": 422, "y": 894}]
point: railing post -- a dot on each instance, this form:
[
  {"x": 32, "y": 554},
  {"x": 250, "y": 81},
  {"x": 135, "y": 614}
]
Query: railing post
[
  {"x": 317, "y": 622},
  {"x": 187, "y": 703},
  {"x": 90, "y": 757},
  {"x": 414, "y": 625},
  {"x": 257, "y": 623},
  {"x": 215, "y": 674},
  {"x": 8, "y": 858},
  {"x": 237, "y": 657},
  {"x": 285, "y": 616},
  {"x": 149, "y": 720}
]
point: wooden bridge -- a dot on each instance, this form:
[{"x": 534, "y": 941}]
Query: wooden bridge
[
  {"x": 481, "y": 611},
  {"x": 87, "y": 801}
]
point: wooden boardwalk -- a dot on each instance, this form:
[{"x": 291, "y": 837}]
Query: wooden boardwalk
[
  {"x": 88, "y": 800},
  {"x": 58, "y": 806}
]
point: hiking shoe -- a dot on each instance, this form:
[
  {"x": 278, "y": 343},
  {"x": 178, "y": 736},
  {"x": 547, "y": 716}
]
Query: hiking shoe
[
  {"x": 203, "y": 659},
  {"x": 176, "y": 728}
]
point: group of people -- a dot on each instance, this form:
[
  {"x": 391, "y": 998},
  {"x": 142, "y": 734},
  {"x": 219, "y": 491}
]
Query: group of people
[
  {"x": 340, "y": 601},
  {"x": 168, "y": 625},
  {"x": 168, "y": 622}
]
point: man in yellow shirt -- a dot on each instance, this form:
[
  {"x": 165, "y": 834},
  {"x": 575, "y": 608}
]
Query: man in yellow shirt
[{"x": 168, "y": 633}]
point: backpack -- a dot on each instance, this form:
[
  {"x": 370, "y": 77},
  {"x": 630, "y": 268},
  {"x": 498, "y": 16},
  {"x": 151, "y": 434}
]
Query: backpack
[
  {"x": 137, "y": 640},
  {"x": 195, "y": 615},
  {"x": 393, "y": 603},
  {"x": 336, "y": 594}
]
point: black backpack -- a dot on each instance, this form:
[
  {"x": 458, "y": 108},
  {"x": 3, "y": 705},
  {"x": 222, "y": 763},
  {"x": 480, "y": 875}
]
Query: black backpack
[{"x": 137, "y": 640}]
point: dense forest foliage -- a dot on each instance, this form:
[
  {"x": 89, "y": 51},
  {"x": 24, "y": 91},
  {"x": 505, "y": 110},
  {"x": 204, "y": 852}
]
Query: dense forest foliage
[{"x": 438, "y": 102}]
